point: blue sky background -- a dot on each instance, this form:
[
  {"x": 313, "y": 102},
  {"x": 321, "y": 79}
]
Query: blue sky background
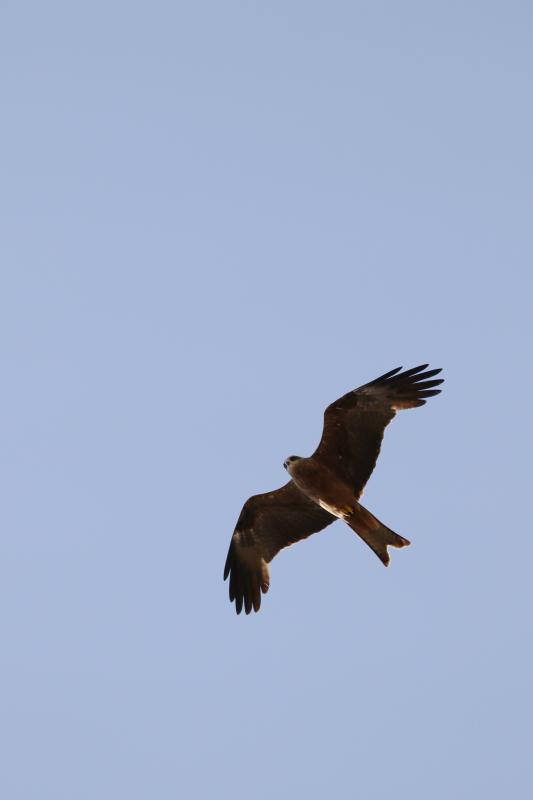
[{"x": 218, "y": 217}]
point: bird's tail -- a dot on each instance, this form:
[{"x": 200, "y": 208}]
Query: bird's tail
[{"x": 374, "y": 533}]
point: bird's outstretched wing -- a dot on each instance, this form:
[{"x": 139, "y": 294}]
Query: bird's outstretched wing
[
  {"x": 267, "y": 523},
  {"x": 354, "y": 424}
]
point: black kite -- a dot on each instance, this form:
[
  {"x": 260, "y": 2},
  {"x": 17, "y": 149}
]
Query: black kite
[{"x": 325, "y": 486}]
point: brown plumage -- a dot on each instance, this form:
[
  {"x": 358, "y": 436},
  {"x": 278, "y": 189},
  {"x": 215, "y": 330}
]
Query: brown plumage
[{"x": 325, "y": 486}]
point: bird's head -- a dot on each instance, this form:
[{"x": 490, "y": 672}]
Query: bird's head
[{"x": 290, "y": 461}]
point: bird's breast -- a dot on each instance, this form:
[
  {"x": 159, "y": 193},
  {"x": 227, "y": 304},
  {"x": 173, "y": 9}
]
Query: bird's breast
[{"x": 318, "y": 483}]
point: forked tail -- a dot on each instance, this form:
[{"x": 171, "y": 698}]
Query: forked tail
[{"x": 374, "y": 533}]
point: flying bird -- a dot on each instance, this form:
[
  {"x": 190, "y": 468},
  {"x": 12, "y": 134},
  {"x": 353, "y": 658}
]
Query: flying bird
[{"x": 326, "y": 486}]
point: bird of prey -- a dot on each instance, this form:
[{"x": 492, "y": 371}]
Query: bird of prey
[{"x": 326, "y": 486}]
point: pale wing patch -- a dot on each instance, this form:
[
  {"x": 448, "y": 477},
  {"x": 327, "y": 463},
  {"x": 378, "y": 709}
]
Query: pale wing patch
[{"x": 251, "y": 559}]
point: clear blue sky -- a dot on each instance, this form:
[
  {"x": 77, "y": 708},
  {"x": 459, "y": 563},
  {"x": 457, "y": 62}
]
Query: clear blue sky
[{"x": 217, "y": 217}]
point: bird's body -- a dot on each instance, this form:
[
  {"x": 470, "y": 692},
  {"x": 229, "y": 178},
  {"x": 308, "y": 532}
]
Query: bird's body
[
  {"x": 321, "y": 485},
  {"x": 325, "y": 486}
]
